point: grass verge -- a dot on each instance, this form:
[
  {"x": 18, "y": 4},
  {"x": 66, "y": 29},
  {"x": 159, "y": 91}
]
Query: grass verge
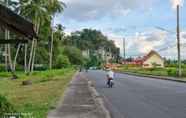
[
  {"x": 167, "y": 72},
  {"x": 36, "y": 99}
]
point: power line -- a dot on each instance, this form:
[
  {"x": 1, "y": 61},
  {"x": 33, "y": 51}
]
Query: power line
[{"x": 171, "y": 46}]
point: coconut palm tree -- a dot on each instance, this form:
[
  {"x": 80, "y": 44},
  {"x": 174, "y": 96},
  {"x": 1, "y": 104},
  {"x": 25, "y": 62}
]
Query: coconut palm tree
[
  {"x": 54, "y": 6},
  {"x": 36, "y": 11},
  {"x": 39, "y": 12}
]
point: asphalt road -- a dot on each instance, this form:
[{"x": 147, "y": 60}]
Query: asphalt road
[{"x": 139, "y": 97}]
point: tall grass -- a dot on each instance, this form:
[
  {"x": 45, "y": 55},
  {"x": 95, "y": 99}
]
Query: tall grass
[{"x": 38, "y": 98}]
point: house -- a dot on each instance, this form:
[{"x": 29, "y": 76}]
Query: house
[{"x": 152, "y": 59}]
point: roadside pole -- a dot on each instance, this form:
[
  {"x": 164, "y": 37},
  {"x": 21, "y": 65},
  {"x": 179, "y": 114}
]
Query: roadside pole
[
  {"x": 178, "y": 42},
  {"x": 124, "y": 53}
]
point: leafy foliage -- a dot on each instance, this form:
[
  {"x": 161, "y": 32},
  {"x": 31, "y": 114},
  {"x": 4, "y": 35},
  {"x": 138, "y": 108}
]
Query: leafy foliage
[
  {"x": 5, "y": 106},
  {"x": 74, "y": 55},
  {"x": 92, "y": 41},
  {"x": 65, "y": 48},
  {"x": 62, "y": 61}
]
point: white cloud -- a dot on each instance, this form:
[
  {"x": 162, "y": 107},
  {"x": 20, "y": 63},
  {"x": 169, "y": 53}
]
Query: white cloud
[
  {"x": 140, "y": 43},
  {"x": 82, "y": 10},
  {"x": 177, "y": 2},
  {"x": 183, "y": 37},
  {"x": 171, "y": 52},
  {"x": 146, "y": 41}
]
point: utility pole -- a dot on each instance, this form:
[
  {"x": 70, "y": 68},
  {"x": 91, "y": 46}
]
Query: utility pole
[
  {"x": 178, "y": 42},
  {"x": 124, "y": 52}
]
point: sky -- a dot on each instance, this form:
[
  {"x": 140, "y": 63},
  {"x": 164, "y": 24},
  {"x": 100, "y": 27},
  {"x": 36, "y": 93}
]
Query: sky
[{"x": 145, "y": 24}]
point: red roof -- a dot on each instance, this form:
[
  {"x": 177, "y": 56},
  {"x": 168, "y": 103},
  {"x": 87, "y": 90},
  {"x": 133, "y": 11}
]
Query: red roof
[
  {"x": 140, "y": 60},
  {"x": 152, "y": 52}
]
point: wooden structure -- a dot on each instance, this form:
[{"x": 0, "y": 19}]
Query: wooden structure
[
  {"x": 16, "y": 23},
  {"x": 13, "y": 22}
]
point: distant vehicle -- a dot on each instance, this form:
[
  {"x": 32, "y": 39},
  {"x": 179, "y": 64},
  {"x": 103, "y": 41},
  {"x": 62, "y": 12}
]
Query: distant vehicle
[{"x": 93, "y": 68}]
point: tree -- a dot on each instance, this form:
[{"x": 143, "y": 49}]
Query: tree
[
  {"x": 92, "y": 40},
  {"x": 54, "y": 6},
  {"x": 41, "y": 12},
  {"x": 74, "y": 55},
  {"x": 62, "y": 61},
  {"x": 34, "y": 10}
]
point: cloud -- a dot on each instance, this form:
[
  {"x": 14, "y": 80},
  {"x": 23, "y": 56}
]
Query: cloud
[
  {"x": 183, "y": 37},
  {"x": 156, "y": 35},
  {"x": 146, "y": 41},
  {"x": 176, "y": 2},
  {"x": 171, "y": 51},
  {"x": 82, "y": 10},
  {"x": 138, "y": 44}
]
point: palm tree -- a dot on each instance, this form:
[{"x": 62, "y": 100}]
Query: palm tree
[
  {"x": 39, "y": 12},
  {"x": 54, "y": 6},
  {"x": 36, "y": 11},
  {"x": 59, "y": 31}
]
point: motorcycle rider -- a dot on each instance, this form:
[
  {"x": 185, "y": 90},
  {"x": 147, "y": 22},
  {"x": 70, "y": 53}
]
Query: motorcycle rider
[{"x": 110, "y": 76}]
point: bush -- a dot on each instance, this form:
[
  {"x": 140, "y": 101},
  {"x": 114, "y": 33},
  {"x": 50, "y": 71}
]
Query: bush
[
  {"x": 18, "y": 67},
  {"x": 2, "y": 67},
  {"x": 171, "y": 72},
  {"x": 5, "y": 106},
  {"x": 62, "y": 61},
  {"x": 74, "y": 55}
]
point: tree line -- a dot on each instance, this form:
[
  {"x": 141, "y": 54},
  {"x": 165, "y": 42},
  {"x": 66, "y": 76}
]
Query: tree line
[{"x": 53, "y": 49}]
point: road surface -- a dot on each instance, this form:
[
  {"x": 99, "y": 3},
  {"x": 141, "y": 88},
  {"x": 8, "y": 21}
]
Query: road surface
[{"x": 139, "y": 97}]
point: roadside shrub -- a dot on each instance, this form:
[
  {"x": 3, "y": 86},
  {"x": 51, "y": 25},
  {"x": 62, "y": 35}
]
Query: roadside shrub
[
  {"x": 4, "y": 74},
  {"x": 74, "y": 55},
  {"x": 184, "y": 72},
  {"x": 2, "y": 67},
  {"x": 5, "y": 106},
  {"x": 133, "y": 65},
  {"x": 171, "y": 65},
  {"x": 184, "y": 66},
  {"x": 62, "y": 62},
  {"x": 19, "y": 67},
  {"x": 171, "y": 72},
  {"x": 150, "y": 69}
]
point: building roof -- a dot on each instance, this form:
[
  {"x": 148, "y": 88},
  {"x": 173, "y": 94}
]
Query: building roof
[
  {"x": 152, "y": 52},
  {"x": 141, "y": 60},
  {"x": 16, "y": 23}
]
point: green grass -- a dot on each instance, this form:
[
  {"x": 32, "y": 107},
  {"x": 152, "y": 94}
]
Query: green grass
[
  {"x": 168, "y": 71},
  {"x": 38, "y": 98}
]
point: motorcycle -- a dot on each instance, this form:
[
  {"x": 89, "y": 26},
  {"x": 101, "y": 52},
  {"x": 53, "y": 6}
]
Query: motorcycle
[{"x": 110, "y": 83}]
